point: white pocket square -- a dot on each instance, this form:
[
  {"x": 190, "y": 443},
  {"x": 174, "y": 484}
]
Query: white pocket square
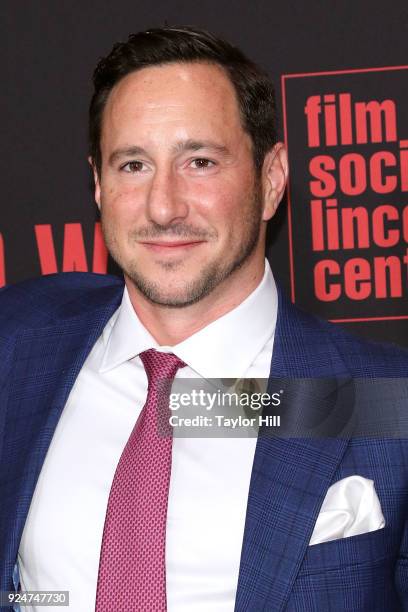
[{"x": 351, "y": 507}]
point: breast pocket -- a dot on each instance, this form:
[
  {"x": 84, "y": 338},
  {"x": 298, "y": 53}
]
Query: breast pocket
[{"x": 350, "y": 574}]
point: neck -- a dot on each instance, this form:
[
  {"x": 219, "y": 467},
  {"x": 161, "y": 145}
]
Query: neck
[{"x": 170, "y": 325}]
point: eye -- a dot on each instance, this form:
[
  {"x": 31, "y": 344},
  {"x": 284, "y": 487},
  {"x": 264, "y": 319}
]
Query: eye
[
  {"x": 202, "y": 163},
  {"x": 133, "y": 167}
]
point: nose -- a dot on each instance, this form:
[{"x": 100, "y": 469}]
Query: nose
[{"x": 166, "y": 203}]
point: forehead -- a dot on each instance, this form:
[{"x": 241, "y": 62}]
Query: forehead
[{"x": 198, "y": 96}]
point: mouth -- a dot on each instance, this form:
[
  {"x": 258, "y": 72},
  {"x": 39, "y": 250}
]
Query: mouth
[{"x": 170, "y": 246}]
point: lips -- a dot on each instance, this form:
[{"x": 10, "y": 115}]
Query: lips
[{"x": 173, "y": 245}]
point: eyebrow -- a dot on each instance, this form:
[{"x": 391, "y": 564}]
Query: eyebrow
[
  {"x": 196, "y": 145},
  {"x": 179, "y": 147}
]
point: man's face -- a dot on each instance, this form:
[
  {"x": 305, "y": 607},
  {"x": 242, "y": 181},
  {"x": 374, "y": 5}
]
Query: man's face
[{"x": 181, "y": 205}]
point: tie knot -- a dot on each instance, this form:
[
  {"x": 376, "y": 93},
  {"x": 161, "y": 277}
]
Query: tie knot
[{"x": 160, "y": 365}]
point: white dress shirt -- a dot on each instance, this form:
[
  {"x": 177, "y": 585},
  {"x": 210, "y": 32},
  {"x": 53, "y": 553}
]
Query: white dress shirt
[{"x": 210, "y": 477}]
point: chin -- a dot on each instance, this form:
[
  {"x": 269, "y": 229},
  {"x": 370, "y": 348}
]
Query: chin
[{"x": 176, "y": 300}]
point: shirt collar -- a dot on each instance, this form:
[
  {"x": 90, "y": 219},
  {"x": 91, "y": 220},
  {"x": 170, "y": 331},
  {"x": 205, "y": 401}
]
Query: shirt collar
[{"x": 224, "y": 348}]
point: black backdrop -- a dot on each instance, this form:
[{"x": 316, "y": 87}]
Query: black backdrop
[{"x": 49, "y": 51}]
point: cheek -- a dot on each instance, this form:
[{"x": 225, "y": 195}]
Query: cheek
[
  {"x": 215, "y": 200},
  {"x": 119, "y": 205}
]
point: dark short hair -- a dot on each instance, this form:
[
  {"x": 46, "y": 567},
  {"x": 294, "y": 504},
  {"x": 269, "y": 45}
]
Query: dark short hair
[{"x": 253, "y": 87}]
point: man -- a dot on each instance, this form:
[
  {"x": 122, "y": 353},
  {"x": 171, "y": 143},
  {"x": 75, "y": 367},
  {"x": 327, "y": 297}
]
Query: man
[{"x": 187, "y": 174}]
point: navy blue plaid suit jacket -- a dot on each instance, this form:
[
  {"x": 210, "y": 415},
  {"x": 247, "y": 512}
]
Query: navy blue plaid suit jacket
[{"x": 47, "y": 328}]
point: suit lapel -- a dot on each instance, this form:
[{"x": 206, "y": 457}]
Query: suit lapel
[
  {"x": 47, "y": 362},
  {"x": 290, "y": 476}
]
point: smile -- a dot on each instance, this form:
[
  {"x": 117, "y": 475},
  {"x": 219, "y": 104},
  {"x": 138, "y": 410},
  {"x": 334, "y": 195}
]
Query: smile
[{"x": 171, "y": 246}]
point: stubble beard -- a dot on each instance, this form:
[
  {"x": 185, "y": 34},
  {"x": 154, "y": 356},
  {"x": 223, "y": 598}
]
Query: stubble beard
[{"x": 211, "y": 274}]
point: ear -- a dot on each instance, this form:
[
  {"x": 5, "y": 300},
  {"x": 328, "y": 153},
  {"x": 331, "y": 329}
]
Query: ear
[
  {"x": 97, "y": 182},
  {"x": 274, "y": 178}
]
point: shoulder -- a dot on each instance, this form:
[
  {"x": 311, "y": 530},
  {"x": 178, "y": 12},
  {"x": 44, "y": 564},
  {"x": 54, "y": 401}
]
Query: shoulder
[
  {"x": 328, "y": 342},
  {"x": 363, "y": 357},
  {"x": 41, "y": 301},
  {"x": 366, "y": 357}
]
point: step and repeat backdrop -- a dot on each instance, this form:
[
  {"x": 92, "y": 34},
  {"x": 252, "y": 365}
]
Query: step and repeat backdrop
[{"x": 339, "y": 244}]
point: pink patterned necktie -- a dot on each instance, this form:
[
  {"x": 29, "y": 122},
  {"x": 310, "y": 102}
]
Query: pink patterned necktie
[{"x": 132, "y": 572}]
